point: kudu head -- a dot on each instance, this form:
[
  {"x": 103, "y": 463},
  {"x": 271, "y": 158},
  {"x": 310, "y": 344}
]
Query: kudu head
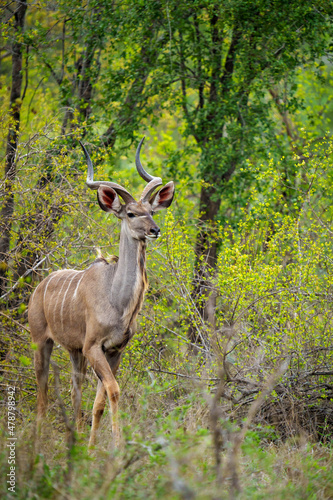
[{"x": 137, "y": 215}]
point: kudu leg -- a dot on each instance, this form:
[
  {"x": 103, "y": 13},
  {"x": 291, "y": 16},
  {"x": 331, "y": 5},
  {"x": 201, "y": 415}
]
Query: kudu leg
[
  {"x": 79, "y": 363},
  {"x": 98, "y": 411},
  {"x": 98, "y": 361},
  {"x": 42, "y": 365},
  {"x": 100, "y": 400}
]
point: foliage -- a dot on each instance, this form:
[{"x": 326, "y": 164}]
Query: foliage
[{"x": 103, "y": 72}]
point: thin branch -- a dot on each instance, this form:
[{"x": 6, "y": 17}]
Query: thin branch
[
  {"x": 69, "y": 425},
  {"x": 7, "y": 54},
  {"x": 182, "y": 375},
  {"x": 230, "y": 61},
  {"x": 16, "y": 323},
  {"x": 29, "y": 106},
  {"x": 183, "y": 80},
  {"x": 179, "y": 335},
  {"x": 199, "y": 68},
  {"x": 231, "y": 467},
  {"x": 29, "y": 271},
  {"x": 26, "y": 74},
  {"x": 53, "y": 73},
  {"x": 63, "y": 49}
]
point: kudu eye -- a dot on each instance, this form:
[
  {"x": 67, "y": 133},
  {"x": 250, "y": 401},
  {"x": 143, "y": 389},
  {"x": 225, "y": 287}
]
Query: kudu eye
[{"x": 130, "y": 215}]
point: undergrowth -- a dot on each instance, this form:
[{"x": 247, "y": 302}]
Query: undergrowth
[{"x": 167, "y": 451}]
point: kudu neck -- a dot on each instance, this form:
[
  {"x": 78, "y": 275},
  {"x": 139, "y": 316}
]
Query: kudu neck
[
  {"x": 131, "y": 267},
  {"x": 130, "y": 248}
]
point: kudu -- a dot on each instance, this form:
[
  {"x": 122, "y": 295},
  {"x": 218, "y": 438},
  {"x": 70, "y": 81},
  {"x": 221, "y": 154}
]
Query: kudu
[{"x": 92, "y": 313}]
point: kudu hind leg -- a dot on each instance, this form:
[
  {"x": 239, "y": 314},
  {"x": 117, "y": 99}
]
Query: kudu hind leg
[
  {"x": 42, "y": 365},
  {"x": 79, "y": 363}
]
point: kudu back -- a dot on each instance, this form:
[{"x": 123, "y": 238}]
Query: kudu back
[{"x": 92, "y": 313}]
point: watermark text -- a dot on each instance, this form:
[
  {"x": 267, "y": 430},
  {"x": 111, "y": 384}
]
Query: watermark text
[{"x": 11, "y": 444}]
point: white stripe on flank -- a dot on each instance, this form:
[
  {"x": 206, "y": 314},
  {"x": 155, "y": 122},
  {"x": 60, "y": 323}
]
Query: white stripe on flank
[
  {"x": 74, "y": 297},
  {"x": 77, "y": 286},
  {"x": 33, "y": 293},
  {"x": 63, "y": 302},
  {"x": 58, "y": 273},
  {"x": 51, "y": 277},
  {"x": 59, "y": 294}
]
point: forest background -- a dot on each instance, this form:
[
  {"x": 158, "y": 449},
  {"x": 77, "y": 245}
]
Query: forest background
[{"x": 227, "y": 386}]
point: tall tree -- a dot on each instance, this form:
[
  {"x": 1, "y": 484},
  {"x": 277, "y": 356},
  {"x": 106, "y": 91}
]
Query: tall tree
[
  {"x": 17, "y": 48},
  {"x": 222, "y": 60}
]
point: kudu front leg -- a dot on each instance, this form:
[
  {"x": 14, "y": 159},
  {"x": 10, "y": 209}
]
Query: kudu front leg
[
  {"x": 108, "y": 385},
  {"x": 100, "y": 400},
  {"x": 98, "y": 411}
]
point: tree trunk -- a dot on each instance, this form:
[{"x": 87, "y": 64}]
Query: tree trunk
[
  {"x": 12, "y": 142},
  {"x": 205, "y": 260},
  {"x": 203, "y": 293}
]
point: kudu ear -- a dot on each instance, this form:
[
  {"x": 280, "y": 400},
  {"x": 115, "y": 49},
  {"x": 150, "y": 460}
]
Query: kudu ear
[
  {"x": 109, "y": 200},
  {"x": 163, "y": 198}
]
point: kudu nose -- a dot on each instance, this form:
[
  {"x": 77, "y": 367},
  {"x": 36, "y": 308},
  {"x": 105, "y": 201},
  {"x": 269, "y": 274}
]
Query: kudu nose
[{"x": 155, "y": 231}]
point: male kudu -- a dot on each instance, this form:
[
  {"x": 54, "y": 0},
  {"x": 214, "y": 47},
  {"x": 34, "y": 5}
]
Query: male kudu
[{"x": 92, "y": 313}]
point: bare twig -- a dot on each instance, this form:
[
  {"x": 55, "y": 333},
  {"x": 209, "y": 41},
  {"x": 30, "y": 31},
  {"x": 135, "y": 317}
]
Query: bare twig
[
  {"x": 182, "y": 375},
  {"x": 215, "y": 413},
  {"x": 28, "y": 271},
  {"x": 70, "y": 426},
  {"x": 231, "y": 467},
  {"x": 16, "y": 323}
]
